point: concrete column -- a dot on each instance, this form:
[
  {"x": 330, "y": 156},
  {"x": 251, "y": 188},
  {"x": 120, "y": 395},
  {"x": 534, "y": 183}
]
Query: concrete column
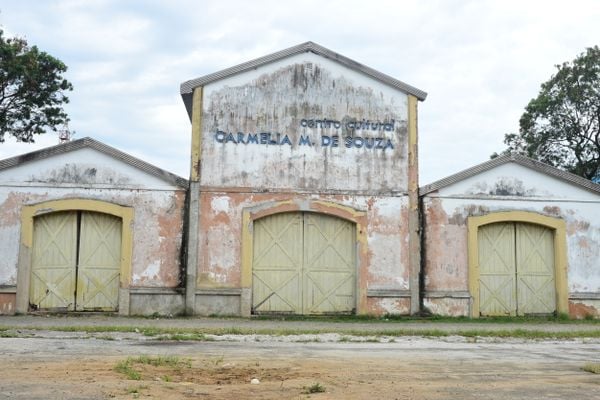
[
  {"x": 193, "y": 214},
  {"x": 414, "y": 231}
]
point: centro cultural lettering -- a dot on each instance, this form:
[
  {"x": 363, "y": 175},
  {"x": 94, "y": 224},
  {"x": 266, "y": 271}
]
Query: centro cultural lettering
[{"x": 365, "y": 124}]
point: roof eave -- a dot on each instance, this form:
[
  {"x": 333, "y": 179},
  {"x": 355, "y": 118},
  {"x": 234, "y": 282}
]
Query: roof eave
[
  {"x": 518, "y": 159},
  {"x": 88, "y": 142}
]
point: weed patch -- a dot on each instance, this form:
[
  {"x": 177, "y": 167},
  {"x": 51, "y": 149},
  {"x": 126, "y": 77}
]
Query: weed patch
[
  {"x": 314, "y": 388},
  {"x": 594, "y": 368}
]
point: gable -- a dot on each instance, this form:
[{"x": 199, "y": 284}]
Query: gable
[
  {"x": 304, "y": 122},
  {"x": 514, "y": 180},
  {"x": 84, "y": 166}
]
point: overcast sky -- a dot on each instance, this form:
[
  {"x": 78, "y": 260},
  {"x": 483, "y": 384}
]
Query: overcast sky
[{"x": 479, "y": 61}]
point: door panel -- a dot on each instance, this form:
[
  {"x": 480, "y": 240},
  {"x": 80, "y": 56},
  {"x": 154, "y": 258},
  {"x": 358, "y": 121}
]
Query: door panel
[
  {"x": 277, "y": 264},
  {"x": 99, "y": 262},
  {"x": 497, "y": 286},
  {"x": 53, "y": 262},
  {"x": 535, "y": 270},
  {"x": 329, "y": 265}
]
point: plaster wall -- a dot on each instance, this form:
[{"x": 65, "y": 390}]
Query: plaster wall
[
  {"x": 513, "y": 188},
  {"x": 386, "y": 267},
  {"x": 303, "y": 129},
  {"x": 158, "y": 210},
  {"x": 304, "y": 104}
]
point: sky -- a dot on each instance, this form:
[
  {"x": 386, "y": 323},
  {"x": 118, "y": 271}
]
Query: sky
[{"x": 480, "y": 62}]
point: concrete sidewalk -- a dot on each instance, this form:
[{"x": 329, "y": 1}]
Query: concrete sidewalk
[{"x": 405, "y": 326}]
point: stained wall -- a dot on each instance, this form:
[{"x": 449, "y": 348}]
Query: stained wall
[
  {"x": 88, "y": 174},
  {"x": 510, "y": 187},
  {"x": 302, "y": 129}
]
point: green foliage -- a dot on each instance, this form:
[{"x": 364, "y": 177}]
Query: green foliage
[
  {"x": 314, "y": 388},
  {"x": 593, "y": 368},
  {"x": 31, "y": 90},
  {"x": 561, "y": 126},
  {"x": 127, "y": 367}
]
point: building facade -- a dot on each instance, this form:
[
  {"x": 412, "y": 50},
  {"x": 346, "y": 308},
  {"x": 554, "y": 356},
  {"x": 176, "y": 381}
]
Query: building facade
[
  {"x": 86, "y": 227},
  {"x": 303, "y": 190},
  {"x": 511, "y": 236}
]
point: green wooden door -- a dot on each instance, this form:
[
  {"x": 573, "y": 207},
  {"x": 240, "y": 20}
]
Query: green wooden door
[
  {"x": 99, "y": 262},
  {"x": 497, "y": 290},
  {"x": 536, "y": 287},
  {"x": 277, "y": 264},
  {"x": 516, "y": 269},
  {"x": 329, "y": 266},
  {"x": 53, "y": 261},
  {"x": 76, "y": 260},
  {"x": 303, "y": 263}
]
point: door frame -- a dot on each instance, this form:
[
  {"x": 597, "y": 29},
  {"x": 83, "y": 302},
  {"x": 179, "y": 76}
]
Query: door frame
[
  {"x": 29, "y": 212},
  {"x": 558, "y": 227},
  {"x": 251, "y": 214}
]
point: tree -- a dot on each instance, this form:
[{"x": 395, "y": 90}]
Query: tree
[
  {"x": 561, "y": 126},
  {"x": 31, "y": 90}
]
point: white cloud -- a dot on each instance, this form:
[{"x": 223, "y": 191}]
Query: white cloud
[{"x": 480, "y": 61}]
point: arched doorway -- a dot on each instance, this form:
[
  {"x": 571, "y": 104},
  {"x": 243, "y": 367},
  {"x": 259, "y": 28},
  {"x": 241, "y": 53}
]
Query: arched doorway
[
  {"x": 75, "y": 254},
  {"x": 76, "y": 261},
  {"x": 304, "y": 263},
  {"x": 517, "y": 264}
]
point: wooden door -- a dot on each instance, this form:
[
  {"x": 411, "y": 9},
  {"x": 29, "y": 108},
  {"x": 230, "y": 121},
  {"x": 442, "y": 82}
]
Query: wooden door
[
  {"x": 76, "y": 261},
  {"x": 516, "y": 269},
  {"x": 99, "y": 262},
  {"x": 536, "y": 287},
  {"x": 329, "y": 267},
  {"x": 277, "y": 264},
  {"x": 497, "y": 286},
  {"x": 53, "y": 261},
  {"x": 303, "y": 263}
]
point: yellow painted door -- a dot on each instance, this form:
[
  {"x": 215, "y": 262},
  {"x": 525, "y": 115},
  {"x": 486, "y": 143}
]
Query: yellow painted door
[
  {"x": 303, "y": 263},
  {"x": 277, "y": 264},
  {"x": 329, "y": 267},
  {"x": 536, "y": 288},
  {"x": 497, "y": 286},
  {"x": 53, "y": 262},
  {"x": 99, "y": 262}
]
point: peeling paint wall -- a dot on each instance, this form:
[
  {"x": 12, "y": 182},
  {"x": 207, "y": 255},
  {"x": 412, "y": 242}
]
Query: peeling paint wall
[
  {"x": 87, "y": 174},
  {"x": 307, "y": 97},
  {"x": 301, "y": 129},
  {"x": 221, "y": 246},
  {"x": 509, "y": 187}
]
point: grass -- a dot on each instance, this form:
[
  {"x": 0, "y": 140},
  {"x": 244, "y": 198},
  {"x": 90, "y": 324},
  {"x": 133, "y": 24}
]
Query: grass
[
  {"x": 127, "y": 367},
  {"x": 314, "y": 388},
  {"x": 594, "y": 368},
  {"x": 391, "y": 326}
]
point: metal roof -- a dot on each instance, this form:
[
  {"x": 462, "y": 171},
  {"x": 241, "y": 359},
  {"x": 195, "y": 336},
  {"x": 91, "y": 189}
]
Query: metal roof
[
  {"x": 88, "y": 142},
  {"x": 188, "y": 87},
  {"x": 514, "y": 158}
]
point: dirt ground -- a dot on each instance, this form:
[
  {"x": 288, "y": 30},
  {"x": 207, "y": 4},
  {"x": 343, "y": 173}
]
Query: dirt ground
[{"x": 409, "y": 368}]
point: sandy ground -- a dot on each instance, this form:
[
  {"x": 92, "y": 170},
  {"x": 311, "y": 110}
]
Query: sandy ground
[{"x": 75, "y": 366}]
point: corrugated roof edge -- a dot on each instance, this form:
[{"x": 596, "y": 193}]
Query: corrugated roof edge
[
  {"x": 188, "y": 87},
  {"x": 85, "y": 142},
  {"x": 518, "y": 159}
]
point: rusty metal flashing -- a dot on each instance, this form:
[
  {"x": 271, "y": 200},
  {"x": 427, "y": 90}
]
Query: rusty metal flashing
[
  {"x": 187, "y": 87},
  {"x": 515, "y": 158},
  {"x": 88, "y": 142}
]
